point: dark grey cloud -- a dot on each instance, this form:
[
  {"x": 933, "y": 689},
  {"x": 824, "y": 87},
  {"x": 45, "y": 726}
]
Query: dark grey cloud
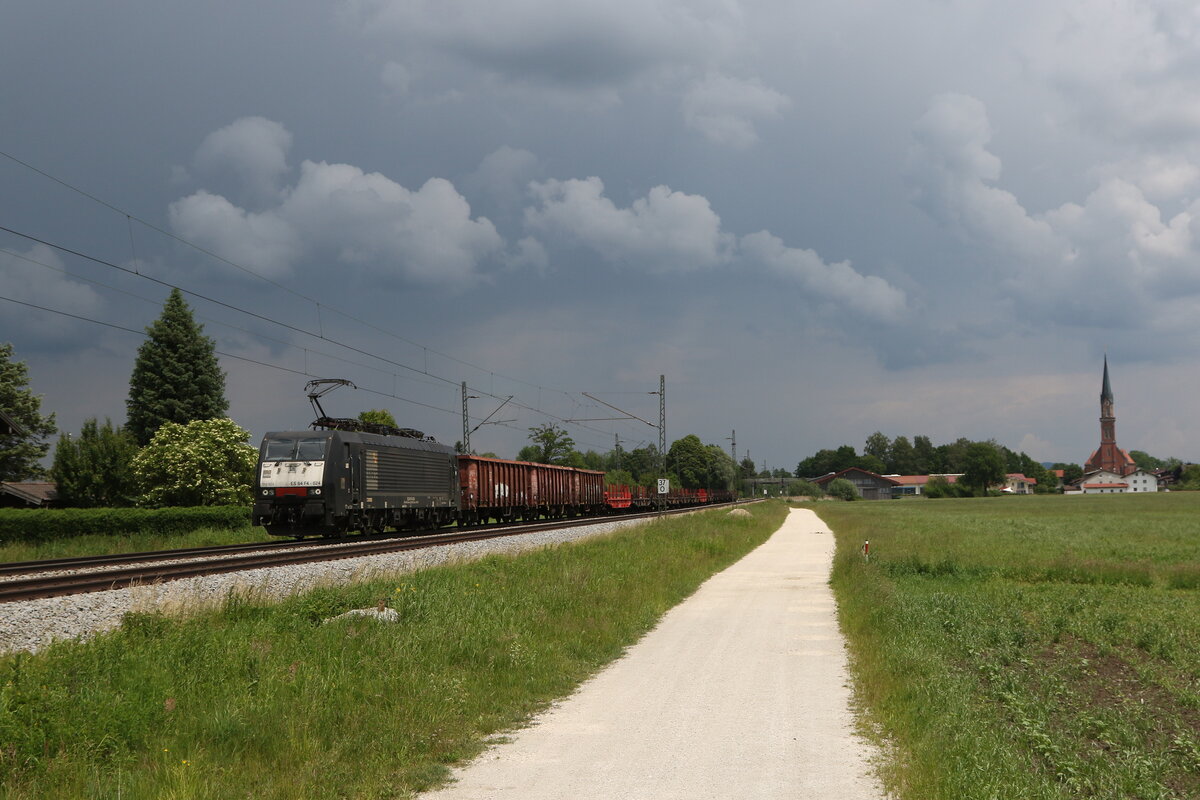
[{"x": 920, "y": 219}]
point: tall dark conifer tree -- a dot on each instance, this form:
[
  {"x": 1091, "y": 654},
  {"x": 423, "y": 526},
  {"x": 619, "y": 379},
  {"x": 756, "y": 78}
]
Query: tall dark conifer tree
[
  {"x": 23, "y": 430},
  {"x": 176, "y": 377}
]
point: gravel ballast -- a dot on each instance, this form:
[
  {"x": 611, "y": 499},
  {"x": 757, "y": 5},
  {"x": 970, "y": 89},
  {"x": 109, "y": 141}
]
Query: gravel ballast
[{"x": 33, "y": 624}]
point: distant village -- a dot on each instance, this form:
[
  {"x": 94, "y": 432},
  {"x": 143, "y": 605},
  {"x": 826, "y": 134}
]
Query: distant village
[{"x": 1109, "y": 470}]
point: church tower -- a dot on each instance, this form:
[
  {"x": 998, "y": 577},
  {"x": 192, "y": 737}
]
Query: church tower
[{"x": 1109, "y": 457}]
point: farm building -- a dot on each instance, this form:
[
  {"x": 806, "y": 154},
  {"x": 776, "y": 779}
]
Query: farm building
[{"x": 868, "y": 485}]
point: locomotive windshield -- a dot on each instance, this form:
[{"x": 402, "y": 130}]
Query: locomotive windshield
[{"x": 308, "y": 448}]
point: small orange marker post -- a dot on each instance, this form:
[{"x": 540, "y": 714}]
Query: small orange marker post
[{"x": 866, "y": 550}]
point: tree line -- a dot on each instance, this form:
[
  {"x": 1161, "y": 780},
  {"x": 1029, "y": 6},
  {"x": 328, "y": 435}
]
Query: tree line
[
  {"x": 177, "y": 447},
  {"x": 689, "y": 463},
  {"x": 981, "y": 463}
]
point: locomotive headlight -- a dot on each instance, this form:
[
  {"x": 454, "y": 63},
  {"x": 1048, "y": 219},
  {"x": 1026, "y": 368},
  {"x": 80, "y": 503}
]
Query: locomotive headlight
[
  {"x": 266, "y": 492},
  {"x": 316, "y": 491}
]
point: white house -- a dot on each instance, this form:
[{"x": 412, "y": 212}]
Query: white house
[
  {"x": 1142, "y": 481},
  {"x": 1101, "y": 481},
  {"x": 1104, "y": 482}
]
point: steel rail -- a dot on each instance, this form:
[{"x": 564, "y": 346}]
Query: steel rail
[
  {"x": 59, "y": 585},
  {"x": 112, "y": 559}
]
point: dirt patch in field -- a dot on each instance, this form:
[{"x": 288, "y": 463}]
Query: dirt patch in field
[{"x": 1117, "y": 701}]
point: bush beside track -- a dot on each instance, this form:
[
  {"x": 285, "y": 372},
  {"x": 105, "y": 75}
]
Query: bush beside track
[{"x": 44, "y": 525}]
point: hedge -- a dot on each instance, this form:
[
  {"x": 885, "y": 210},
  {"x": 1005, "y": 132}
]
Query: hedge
[{"x": 45, "y": 524}]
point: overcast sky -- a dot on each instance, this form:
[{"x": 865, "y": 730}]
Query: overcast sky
[{"x": 817, "y": 220}]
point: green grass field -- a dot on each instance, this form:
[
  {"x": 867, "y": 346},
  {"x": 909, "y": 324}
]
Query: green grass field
[
  {"x": 1027, "y": 647},
  {"x": 264, "y": 701}
]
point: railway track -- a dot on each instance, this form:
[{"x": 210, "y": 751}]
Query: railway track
[{"x": 61, "y": 577}]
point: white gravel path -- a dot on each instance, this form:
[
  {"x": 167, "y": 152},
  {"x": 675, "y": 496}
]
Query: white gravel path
[{"x": 740, "y": 692}]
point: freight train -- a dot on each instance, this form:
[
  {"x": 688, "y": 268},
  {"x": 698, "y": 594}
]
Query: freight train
[{"x": 340, "y": 480}]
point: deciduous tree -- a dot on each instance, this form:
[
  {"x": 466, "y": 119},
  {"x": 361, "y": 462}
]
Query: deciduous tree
[
  {"x": 21, "y": 450},
  {"x": 688, "y": 459},
  {"x": 553, "y": 444},
  {"x": 902, "y": 458},
  {"x": 877, "y": 445},
  {"x": 203, "y": 463},
  {"x": 983, "y": 466},
  {"x": 926, "y": 456},
  {"x": 841, "y": 488},
  {"x": 95, "y": 469},
  {"x": 378, "y": 416},
  {"x": 1071, "y": 472}
]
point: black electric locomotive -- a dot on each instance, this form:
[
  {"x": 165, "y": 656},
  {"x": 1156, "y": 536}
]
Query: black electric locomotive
[
  {"x": 352, "y": 476},
  {"x": 329, "y": 482}
]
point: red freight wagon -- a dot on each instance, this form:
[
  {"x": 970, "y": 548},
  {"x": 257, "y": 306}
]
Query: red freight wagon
[
  {"x": 507, "y": 490},
  {"x": 618, "y": 497}
]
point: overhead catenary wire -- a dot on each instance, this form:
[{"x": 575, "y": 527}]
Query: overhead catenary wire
[
  {"x": 209, "y": 320},
  {"x": 288, "y": 326},
  {"x": 254, "y": 273},
  {"x": 258, "y": 362},
  {"x": 130, "y": 218}
]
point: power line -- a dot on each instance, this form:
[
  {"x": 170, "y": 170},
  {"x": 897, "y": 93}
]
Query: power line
[
  {"x": 254, "y": 361},
  {"x": 268, "y": 365},
  {"x": 318, "y": 335},
  {"x": 187, "y": 243},
  {"x": 211, "y": 320},
  {"x": 288, "y": 326}
]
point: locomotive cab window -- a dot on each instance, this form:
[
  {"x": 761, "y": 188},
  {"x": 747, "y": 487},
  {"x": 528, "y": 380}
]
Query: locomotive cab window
[
  {"x": 306, "y": 449},
  {"x": 310, "y": 449}
]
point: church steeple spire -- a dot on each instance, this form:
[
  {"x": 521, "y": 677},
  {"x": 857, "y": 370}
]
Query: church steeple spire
[
  {"x": 1109, "y": 456},
  {"x": 1106, "y": 390}
]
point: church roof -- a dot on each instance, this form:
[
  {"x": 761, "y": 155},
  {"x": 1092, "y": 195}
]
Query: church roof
[{"x": 1106, "y": 390}]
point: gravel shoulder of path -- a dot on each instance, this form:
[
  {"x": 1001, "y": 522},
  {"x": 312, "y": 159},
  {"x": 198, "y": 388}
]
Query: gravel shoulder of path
[{"x": 740, "y": 691}]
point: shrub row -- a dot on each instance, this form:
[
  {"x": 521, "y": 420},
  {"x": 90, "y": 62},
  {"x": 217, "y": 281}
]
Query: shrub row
[{"x": 45, "y": 524}]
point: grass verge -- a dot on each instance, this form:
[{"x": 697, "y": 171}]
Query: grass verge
[
  {"x": 266, "y": 701},
  {"x": 1043, "y": 647},
  {"x": 110, "y": 544}
]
